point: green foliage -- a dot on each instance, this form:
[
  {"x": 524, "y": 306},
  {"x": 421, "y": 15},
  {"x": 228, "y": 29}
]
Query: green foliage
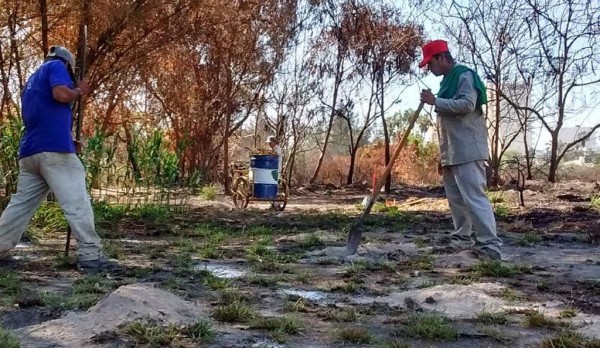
[
  {"x": 595, "y": 203},
  {"x": 148, "y": 333},
  {"x": 234, "y": 312},
  {"x": 49, "y": 217},
  {"x": 209, "y": 192},
  {"x": 431, "y": 326},
  {"x": 106, "y": 214},
  {"x": 8, "y": 339},
  {"x": 152, "y": 212},
  {"x": 494, "y": 268},
  {"x": 10, "y": 136}
]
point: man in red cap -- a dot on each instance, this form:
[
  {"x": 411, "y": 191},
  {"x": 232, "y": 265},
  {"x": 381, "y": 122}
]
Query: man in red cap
[{"x": 463, "y": 148}]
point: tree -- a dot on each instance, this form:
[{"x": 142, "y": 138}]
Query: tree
[
  {"x": 383, "y": 47},
  {"x": 561, "y": 60}
]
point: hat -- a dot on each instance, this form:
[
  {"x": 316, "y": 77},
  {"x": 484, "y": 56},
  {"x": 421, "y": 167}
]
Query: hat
[
  {"x": 62, "y": 53},
  {"x": 431, "y": 49},
  {"x": 271, "y": 138}
]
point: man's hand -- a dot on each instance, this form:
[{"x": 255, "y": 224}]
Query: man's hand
[
  {"x": 78, "y": 146},
  {"x": 84, "y": 87},
  {"x": 427, "y": 97}
]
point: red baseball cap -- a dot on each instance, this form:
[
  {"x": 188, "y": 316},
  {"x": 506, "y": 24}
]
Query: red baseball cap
[{"x": 431, "y": 49}]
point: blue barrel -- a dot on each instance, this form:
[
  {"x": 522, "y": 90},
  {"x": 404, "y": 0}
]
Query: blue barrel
[{"x": 264, "y": 173}]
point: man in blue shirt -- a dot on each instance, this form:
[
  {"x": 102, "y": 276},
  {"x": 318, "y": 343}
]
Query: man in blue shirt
[{"x": 48, "y": 161}]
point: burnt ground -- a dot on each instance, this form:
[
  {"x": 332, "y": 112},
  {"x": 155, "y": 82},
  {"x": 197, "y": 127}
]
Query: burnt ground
[{"x": 261, "y": 278}]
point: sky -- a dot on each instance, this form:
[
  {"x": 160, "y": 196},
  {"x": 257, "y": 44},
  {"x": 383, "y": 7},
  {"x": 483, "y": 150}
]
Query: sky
[{"x": 410, "y": 95}]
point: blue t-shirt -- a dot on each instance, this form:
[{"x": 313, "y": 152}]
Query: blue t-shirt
[{"x": 47, "y": 121}]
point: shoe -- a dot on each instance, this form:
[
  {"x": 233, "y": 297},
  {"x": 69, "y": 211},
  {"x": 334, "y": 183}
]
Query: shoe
[
  {"x": 489, "y": 254},
  {"x": 8, "y": 261},
  {"x": 98, "y": 265}
]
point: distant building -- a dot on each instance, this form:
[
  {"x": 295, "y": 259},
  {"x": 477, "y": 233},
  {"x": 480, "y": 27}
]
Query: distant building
[
  {"x": 569, "y": 134},
  {"x": 510, "y": 124}
]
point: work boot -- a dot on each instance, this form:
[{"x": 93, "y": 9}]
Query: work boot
[
  {"x": 489, "y": 254},
  {"x": 99, "y": 265},
  {"x": 7, "y": 260}
]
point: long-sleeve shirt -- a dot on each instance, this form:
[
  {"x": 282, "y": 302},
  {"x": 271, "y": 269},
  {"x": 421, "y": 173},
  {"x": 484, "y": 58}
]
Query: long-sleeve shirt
[{"x": 461, "y": 126}]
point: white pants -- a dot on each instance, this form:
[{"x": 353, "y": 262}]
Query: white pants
[
  {"x": 64, "y": 174},
  {"x": 471, "y": 210}
]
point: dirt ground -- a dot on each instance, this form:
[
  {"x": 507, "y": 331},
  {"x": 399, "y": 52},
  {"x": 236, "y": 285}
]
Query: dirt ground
[{"x": 213, "y": 276}]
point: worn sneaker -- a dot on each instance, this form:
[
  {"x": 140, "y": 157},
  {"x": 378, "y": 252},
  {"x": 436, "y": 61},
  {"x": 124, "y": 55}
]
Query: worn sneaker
[
  {"x": 8, "y": 261},
  {"x": 489, "y": 254},
  {"x": 98, "y": 265}
]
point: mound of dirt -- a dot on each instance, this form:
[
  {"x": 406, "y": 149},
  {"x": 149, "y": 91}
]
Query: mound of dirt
[{"x": 125, "y": 304}]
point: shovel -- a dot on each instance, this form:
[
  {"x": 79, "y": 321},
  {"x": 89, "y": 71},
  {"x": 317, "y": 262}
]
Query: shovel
[{"x": 355, "y": 233}]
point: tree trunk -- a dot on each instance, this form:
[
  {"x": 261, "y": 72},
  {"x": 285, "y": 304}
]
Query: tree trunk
[
  {"x": 226, "y": 179},
  {"x": 495, "y": 165},
  {"x": 553, "y": 157},
  {"x": 386, "y": 136},
  {"x": 528, "y": 159},
  {"x": 336, "y": 87},
  {"x": 44, "y": 15},
  {"x": 350, "y": 177}
]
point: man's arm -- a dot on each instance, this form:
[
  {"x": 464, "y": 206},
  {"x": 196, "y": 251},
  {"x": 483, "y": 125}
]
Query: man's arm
[
  {"x": 64, "y": 94},
  {"x": 466, "y": 98}
]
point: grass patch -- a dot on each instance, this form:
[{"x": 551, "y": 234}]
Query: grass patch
[
  {"x": 259, "y": 231},
  {"x": 543, "y": 285},
  {"x": 395, "y": 344},
  {"x": 509, "y": 295},
  {"x": 49, "y": 217},
  {"x": 282, "y": 325},
  {"x": 112, "y": 250},
  {"x": 310, "y": 241},
  {"x": 568, "y": 313},
  {"x": 216, "y": 283},
  {"x": 261, "y": 280},
  {"x": 345, "y": 315},
  {"x": 347, "y": 287},
  {"x": 431, "y": 327},
  {"x": 173, "y": 283},
  {"x": 570, "y": 339},
  {"x": 501, "y": 209},
  {"x": 106, "y": 214},
  {"x": 150, "y": 334},
  {"x": 209, "y": 192},
  {"x": 295, "y": 305},
  {"x": 421, "y": 262},
  {"x": 185, "y": 245},
  {"x": 8, "y": 339},
  {"x": 86, "y": 293},
  {"x": 595, "y": 203},
  {"x": 355, "y": 335},
  {"x": 231, "y": 295},
  {"x": 495, "y": 197},
  {"x": 181, "y": 261},
  {"x": 200, "y": 331},
  {"x": 10, "y": 283},
  {"x": 235, "y": 312},
  {"x": 495, "y": 268},
  {"x": 463, "y": 279},
  {"x": 489, "y": 318},
  {"x": 152, "y": 213},
  {"x": 420, "y": 242},
  {"x": 538, "y": 319},
  {"x": 528, "y": 239},
  {"x": 211, "y": 251}
]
